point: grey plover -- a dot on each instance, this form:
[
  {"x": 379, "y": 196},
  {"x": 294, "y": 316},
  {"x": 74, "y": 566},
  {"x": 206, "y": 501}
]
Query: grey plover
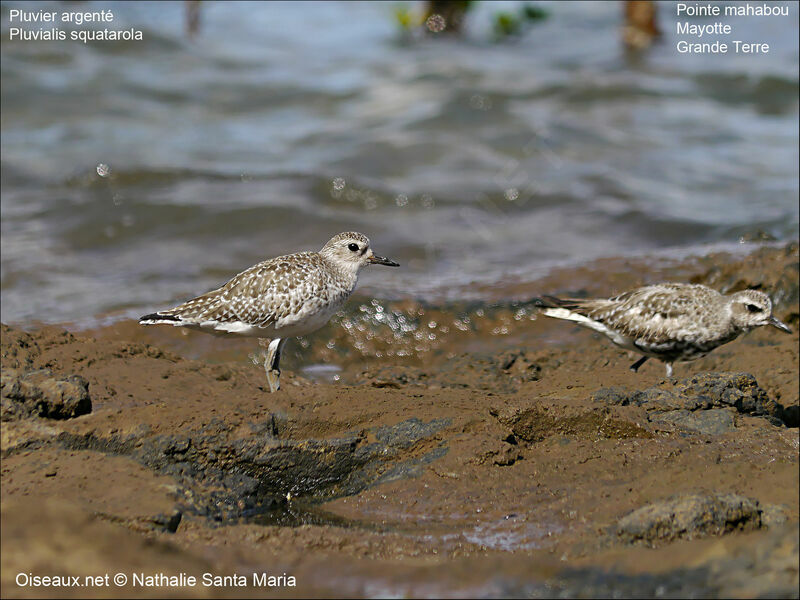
[
  {"x": 280, "y": 298},
  {"x": 669, "y": 321}
]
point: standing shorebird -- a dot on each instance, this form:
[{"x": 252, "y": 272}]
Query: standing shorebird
[
  {"x": 283, "y": 297},
  {"x": 670, "y": 321}
]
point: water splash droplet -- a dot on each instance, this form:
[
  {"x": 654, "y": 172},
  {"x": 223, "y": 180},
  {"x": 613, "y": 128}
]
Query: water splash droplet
[
  {"x": 436, "y": 23},
  {"x": 479, "y": 102}
]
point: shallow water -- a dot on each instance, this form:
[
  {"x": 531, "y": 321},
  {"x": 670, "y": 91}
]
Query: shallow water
[
  {"x": 509, "y": 533},
  {"x": 475, "y": 164}
]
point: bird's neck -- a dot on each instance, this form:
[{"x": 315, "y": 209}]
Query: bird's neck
[{"x": 347, "y": 271}]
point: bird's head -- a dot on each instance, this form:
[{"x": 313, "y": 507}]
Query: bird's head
[
  {"x": 751, "y": 308},
  {"x": 351, "y": 251}
]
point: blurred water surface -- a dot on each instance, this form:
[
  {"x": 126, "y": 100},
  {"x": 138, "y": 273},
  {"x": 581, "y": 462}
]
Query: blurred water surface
[{"x": 471, "y": 162}]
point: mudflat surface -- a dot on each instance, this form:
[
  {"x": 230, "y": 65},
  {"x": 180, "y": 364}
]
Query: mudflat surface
[{"x": 504, "y": 456}]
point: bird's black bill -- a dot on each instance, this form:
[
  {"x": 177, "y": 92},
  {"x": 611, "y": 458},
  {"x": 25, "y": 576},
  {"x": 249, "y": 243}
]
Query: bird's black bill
[
  {"x": 779, "y": 325},
  {"x": 379, "y": 260}
]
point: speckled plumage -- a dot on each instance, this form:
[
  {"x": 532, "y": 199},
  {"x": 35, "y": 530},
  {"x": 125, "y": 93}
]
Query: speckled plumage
[
  {"x": 282, "y": 293},
  {"x": 283, "y": 297},
  {"x": 669, "y": 321}
]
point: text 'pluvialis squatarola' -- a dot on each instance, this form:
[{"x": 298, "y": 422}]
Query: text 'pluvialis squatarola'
[
  {"x": 670, "y": 321},
  {"x": 283, "y": 297}
]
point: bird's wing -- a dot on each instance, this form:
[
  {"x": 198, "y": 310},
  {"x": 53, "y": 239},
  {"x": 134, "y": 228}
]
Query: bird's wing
[
  {"x": 581, "y": 306},
  {"x": 267, "y": 293},
  {"x": 654, "y": 314}
]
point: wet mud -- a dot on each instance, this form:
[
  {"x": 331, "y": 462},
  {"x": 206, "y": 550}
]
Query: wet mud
[{"x": 458, "y": 449}]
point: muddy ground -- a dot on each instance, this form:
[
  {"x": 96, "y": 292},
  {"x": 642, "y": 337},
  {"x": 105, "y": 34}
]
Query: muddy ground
[{"x": 462, "y": 449}]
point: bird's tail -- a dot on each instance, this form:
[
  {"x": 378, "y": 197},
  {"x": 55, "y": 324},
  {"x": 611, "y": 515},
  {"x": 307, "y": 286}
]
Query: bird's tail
[
  {"x": 569, "y": 309},
  {"x": 553, "y": 302},
  {"x": 160, "y": 318}
]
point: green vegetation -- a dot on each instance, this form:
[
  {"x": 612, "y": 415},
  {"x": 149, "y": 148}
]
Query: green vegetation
[{"x": 508, "y": 24}]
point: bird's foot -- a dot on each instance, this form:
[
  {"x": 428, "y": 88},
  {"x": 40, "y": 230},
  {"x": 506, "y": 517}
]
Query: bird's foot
[
  {"x": 635, "y": 366},
  {"x": 274, "y": 380}
]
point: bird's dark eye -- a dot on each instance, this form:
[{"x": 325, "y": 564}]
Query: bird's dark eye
[
  {"x": 752, "y": 308},
  {"x": 353, "y": 247}
]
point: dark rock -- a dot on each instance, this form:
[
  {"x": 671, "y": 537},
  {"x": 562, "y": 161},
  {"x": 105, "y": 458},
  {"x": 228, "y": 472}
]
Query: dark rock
[
  {"x": 408, "y": 432},
  {"x": 689, "y": 398},
  {"x": 739, "y": 390},
  {"x": 791, "y": 415},
  {"x": 663, "y": 399},
  {"x": 168, "y": 522},
  {"x": 712, "y": 422},
  {"x": 40, "y": 394},
  {"x": 689, "y": 517},
  {"x": 612, "y": 395}
]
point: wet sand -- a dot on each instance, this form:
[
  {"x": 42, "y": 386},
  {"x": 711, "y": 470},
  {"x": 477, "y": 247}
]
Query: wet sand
[{"x": 495, "y": 454}]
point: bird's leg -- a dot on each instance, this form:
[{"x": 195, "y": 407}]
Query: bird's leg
[
  {"x": 272, "y": 362},
  {"x": 669, "y": 370},
  {"x": 635, "y": 366}
]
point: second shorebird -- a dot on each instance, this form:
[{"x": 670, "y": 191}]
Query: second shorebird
[
  {"x": 283, "y": 297},
  {"x": 670, "y": 321}
]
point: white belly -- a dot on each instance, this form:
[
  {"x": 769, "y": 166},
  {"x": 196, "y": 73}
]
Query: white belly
[{"x": 303, "y": 323}]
